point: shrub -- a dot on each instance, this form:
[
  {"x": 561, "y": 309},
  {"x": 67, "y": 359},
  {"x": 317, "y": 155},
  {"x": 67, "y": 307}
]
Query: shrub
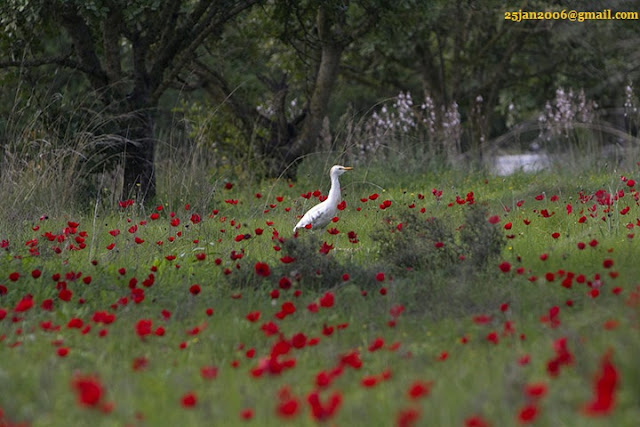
[
  {"x": 430, "y": 244},
  {"x": 481, "y": 240},
  {"x": 413, "y": 242},
  {"x": 311, "y": 267}
]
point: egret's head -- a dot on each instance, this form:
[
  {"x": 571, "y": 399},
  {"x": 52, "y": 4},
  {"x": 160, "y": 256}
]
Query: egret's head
[{"x": 339, "y": 170}]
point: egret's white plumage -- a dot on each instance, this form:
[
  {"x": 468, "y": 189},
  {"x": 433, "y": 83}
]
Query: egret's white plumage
[{"x": 321, "y": 214}]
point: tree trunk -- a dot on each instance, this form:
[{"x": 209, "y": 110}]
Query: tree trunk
[
  {"x": 319, "y": 104},
  {"x": 331, "y": 52},
  {"x": 139, "y": 173}
]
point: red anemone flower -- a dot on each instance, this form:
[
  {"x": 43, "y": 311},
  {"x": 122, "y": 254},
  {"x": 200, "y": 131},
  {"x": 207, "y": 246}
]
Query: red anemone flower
[{"x": 262, "y": 269}]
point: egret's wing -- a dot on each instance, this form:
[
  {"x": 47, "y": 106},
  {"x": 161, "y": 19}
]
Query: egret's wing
[{"x": 318, "y": 216}]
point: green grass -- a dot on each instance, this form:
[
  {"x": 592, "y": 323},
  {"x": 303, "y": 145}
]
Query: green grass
[{"x": 440, "y": 302}]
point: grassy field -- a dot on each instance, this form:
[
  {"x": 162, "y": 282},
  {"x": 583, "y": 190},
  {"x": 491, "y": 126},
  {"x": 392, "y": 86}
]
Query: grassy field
[{"x": 454, "y": 300}]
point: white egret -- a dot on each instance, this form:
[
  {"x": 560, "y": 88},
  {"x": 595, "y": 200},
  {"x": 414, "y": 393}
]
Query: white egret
[{"x": 321, "y": 214}]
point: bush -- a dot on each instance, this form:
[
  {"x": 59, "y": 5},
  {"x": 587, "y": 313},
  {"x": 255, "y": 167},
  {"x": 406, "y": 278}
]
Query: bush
[
  {"x": 411, "y": 242},
  {"x": 311, "y": 268}
]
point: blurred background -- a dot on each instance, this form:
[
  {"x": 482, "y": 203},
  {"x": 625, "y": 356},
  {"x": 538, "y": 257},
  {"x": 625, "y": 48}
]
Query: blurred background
[{"x": 118, "y": 100}]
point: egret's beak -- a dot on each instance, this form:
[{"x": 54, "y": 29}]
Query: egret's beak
[{"x": 347, "y": 168}]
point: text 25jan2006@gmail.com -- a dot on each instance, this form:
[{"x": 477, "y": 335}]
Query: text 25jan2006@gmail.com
[{"x": 570, "y": 15}]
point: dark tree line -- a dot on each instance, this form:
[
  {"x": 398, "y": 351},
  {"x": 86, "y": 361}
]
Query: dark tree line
[{"x": 328, "y": 55}]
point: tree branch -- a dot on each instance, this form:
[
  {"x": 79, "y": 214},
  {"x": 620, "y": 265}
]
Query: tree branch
[
  {"x": 63, "y": 60},
  {"x": 80, "y": 33},
  {"x": 111, "y": 42},
  {"x": 172, "y": 58}
]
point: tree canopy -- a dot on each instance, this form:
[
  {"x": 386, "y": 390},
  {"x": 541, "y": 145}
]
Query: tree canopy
[{"x": 281, "y": 74}]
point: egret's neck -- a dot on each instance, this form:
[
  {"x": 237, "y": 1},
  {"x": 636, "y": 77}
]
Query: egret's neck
[{"x": 334, "y": 192}]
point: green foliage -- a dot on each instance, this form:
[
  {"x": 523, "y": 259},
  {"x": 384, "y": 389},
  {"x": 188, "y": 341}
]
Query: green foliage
[
  {"x": 481, "y": 240},
  {"x": 258, "y": 75},
  {"x": 311, "y": 268},
  {"x": 415, "y": 242},
  {"x": 423, "y": 341}
]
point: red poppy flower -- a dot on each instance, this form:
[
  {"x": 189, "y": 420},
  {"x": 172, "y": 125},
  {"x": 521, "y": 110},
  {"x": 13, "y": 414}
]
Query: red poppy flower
[
  {"x": 89, "y": 390},
  {"x": 535, "y": 390},
  {"x": 262, "y": 269},
  {"x": 321, "y": 412},
  {"x": 24, "y": 304},
  {"x": 209, "y": 372},
  {"x": 369, "y": 381},
  {"x": 505, "y": 267},
  {"x": 299, "y": 340},
  {"x": 476, "y": 421},
  {"x": 492, "y": 337},
  {"x": 563, "y": 357},
  {"x": 376, "y": 344},
  {"x": 189, "y": 400},
  {"x": 352, "y": 359},
  {"x": 604, "y": 388},
  {"x": 325, "y": 248},
  {"x": 528, "y": 414},
  {"x": 284, "y": 283},
  {"x": 143, "y": 327},
  {"x": 139, "y": 363},
  {"x": 481, "y": 319},
  {"x": 270, "y": 328},
  {"x": 253, "y": 316},
  {"x": 75, "y": 323},
  {"x": 246, "y": 414},
  {"x": 288, "y": 408},
  {"x": 407, "y": 417},
  {"x": 288, "y": 307},
  {"x": 327, "y": 330},
  {"x": 327, "y": 300},
  {"x": 419, "y": 389}
]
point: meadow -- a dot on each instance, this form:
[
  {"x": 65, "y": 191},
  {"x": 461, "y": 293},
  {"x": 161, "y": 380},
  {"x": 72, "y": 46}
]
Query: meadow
[{"x": 451, "y": 300}]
